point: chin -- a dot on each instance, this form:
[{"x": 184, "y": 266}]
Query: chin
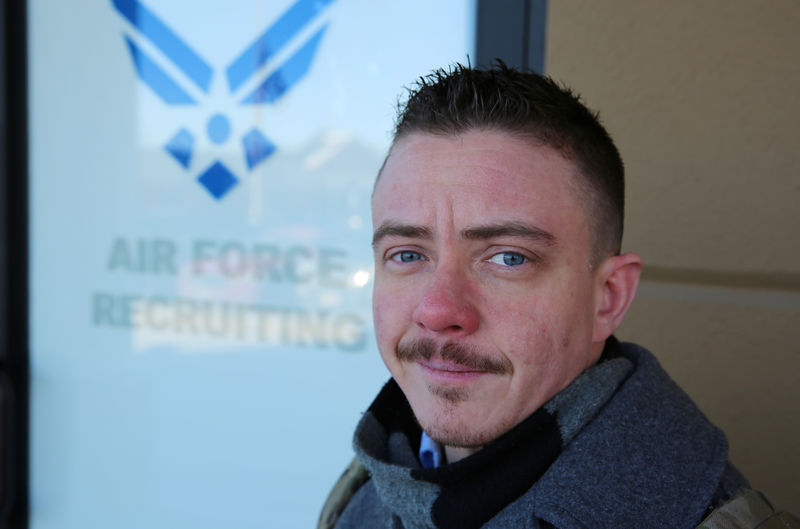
[
  {"x": 451, "y": 424},
  {"x": 458, "y": 437}
]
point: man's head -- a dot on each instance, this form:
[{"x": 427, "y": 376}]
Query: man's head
[
  {"x": 496, "y": 279},
  {"x": 534, "y": 108}
]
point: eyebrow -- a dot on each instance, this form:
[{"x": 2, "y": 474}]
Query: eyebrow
[
  {"x": 510, "y": 229},
  {"x": 388, "y": 229},
  {"x": 489, "y": 231}
]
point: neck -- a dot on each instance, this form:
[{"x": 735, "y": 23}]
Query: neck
[{"x": 455, "y": 453}]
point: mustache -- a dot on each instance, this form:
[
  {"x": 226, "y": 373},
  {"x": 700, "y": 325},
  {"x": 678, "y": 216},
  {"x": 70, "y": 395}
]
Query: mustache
[{"x": 464, "y": 355}]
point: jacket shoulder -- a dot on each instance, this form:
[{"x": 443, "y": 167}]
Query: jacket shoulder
[
  {"x": 351, "y": 480},
  {"x": 750, "y": 509}
]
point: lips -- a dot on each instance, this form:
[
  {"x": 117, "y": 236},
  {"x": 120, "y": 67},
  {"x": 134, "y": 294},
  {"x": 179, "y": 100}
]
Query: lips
[{"x": 444, "y": 371}]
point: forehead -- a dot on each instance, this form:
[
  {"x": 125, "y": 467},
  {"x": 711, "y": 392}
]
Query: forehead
[{"x": 477, "y": 176}]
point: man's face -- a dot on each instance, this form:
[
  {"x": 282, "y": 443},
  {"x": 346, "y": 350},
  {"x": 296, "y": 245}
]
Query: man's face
[{"x": 484, "y": 298}]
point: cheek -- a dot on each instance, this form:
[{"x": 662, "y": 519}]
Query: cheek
[
  {"x": 543, "y": 348},
  {"x": 546, "y": 333},
  {"x": 389, "y": 314},
  {"x": 530, "y": 335},
  {"x": 393, "y": 302},
  {"x": 384, "y": 335},
  {"x": 380, "y": 317}
]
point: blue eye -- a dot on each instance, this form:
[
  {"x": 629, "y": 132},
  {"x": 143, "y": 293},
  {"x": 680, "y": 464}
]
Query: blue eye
[
  {"x": 508, "y": 259},
  {"x": 407, "y": 256}
]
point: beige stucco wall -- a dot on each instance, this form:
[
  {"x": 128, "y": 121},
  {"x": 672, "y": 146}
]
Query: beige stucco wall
[{"x": 703, "y": 99}]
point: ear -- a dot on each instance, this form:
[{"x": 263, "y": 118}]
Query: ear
[{"x": 616, "y": 281}]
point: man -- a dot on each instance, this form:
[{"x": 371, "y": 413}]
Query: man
[{"x": 498, "y": 284}]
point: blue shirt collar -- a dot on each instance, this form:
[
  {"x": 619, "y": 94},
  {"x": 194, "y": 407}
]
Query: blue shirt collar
[{"x": 430, "y": 452}]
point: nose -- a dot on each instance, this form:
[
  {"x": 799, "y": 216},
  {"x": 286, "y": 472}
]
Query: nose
[{"x": 445, "y": 306}]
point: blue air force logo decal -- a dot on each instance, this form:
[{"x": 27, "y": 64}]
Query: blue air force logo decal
[{"x": 190, "y": 88}]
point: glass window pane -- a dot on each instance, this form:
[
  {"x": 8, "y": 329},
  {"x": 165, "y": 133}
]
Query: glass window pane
[{"x": 201, "y": 343}]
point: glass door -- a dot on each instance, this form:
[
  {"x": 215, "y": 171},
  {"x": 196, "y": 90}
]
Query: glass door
[{"x": 200, "y": 264}]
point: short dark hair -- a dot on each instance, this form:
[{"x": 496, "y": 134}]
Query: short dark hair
[{"x": 534, "y": 107}]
